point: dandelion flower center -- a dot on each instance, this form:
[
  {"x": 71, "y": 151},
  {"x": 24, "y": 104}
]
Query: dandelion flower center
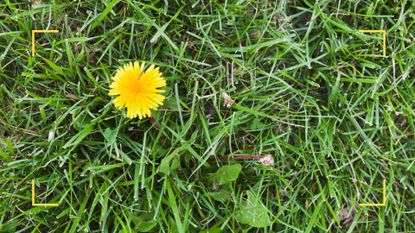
[{"x": 137, "y": 89}]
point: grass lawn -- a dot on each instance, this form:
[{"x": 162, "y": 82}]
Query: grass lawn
[{"x": 247, "y": 80}]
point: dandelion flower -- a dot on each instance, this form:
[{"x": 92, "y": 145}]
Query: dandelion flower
[{"x": 137, "y": 89}]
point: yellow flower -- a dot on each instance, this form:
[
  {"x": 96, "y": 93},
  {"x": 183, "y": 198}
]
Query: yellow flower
[{"x": 137, "y": 89}]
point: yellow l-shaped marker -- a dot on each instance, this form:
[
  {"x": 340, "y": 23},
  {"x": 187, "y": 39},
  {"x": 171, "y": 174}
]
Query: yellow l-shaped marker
[
  {"x": 384, "y": 198},
  {"x": 384, "y": 37},
  {"x": 40, "y": 204},
  {"x": 33, "y": 38}
]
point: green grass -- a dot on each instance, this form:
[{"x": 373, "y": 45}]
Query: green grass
[{"x": 307, "y": 89}]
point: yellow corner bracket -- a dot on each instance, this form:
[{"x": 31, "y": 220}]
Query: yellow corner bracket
[
  {"x": 33, "y": 38},
  {"x": 384, "y": 37},
  {"x": 378, "y": 204},
  {"x": 40, "y": 204}
]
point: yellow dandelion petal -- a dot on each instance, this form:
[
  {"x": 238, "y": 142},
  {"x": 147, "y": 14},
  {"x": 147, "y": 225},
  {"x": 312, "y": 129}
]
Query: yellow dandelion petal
[
  {"x": 137, "y": 89},
  {"x": 158, "y": 98}
]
